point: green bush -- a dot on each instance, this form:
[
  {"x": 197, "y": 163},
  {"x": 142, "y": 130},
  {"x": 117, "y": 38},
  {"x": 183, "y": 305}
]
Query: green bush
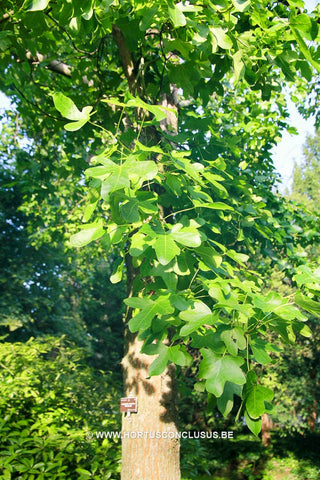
[{"x": 50, "y": 401}]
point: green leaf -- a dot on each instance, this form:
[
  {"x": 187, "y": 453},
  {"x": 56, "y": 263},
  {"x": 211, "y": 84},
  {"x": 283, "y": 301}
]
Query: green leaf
[
  {"x": 225, "y": 402},
  {"x": 173, "y": 182},
  {"x": 116, "y": 232},
  {"x": 72, "y": 127},
  {"x": 304, "y": 49},
  {"x": 147, "y": 18},
  {"x": 213, "y": 205},
  {"x": 255, "y": 400},
  {"x": 289, "y": 312},
  {"x": 156, "y": 110},
  {"x": 139, "y": 244},
  {"x": 241, "y": 5},
  {"x": 284, "y": 328},
  {"x": 269, "y": 302},
  {"x": 84, "y": 474},
  {"x": 90, "y": 208},
  {"x": 171, "y": 280},
  {"x": 195, "y": 317},
  {"x": 188, "y": 236},
  {"x": 302, "y": 23},
  {"x": 89, "y": 232},
  {"x": 158, "y": 366},
  {"x": 116, "y": 276},
  {"x": 223, "y": 40},
  {"x": 140, "y": 170},
  {"x": 209, "y": 256},
  {"x": 253, "y": 425},
  {"x": 35, "y": 5},
  {"x": 178, "y": 354},
  {"x": 166, "y": 248},
  {"x": 260, "y": 354},
  {"x": 116, "y": 181},
  {"x": 240, "y": 258},
  {"x": 129, "y": 211},
  {"x": 100, "y": 171},
  {"x": 144, "y": 148},
  {"x": 303, "y": 329},
  {"x": 179, "y": 302},
  {"x": 176, "y": 15},
  {"x": 305, "y": 276},
  {"x": 69, "y": 110},
  {"x": 153, "y": 348},
  {"x": 307, "y": 304},
  {"x": 238, "y": 65},
  {"x": 138, "y": 302},
  {"x": 220, "y": 369},
  {"x": 234, "y": 340},
  {"x": 143, "y": 320}
]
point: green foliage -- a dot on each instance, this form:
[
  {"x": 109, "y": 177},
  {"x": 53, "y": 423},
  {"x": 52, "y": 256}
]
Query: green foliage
[
  {"x": 161, "y": 242},
  {"x": 194, "y": 459},
  {"x": 183, "y": 208},
  {"x": 45, "y": 287},
  {"x": 245, "y": 458},
  {"x": 294, "y": 377},
  {"x": 49, "y": 401}
]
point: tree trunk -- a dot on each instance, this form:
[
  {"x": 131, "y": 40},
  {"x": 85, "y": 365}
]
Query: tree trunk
[
  {"x": 145, "y": 456},
  {"x": 150, "y": 445},
  {"x": 266, "y": 426},
  {"x": 312, "y": 417}
]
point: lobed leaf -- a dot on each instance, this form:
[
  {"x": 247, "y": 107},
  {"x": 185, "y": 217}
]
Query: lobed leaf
[{"x": 217, "y": 370}]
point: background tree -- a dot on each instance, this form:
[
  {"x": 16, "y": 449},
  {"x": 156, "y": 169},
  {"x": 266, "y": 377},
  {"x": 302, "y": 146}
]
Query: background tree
[
  {"x": 49, "y": 288},
  {"x": 305, "y": 185},
  {"x": 296, "y": 374}
]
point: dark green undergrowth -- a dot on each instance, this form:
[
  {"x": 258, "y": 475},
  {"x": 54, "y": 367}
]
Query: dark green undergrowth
[
  {"x": 245, "y": 458},
  {"x": 51, "y": 403}
]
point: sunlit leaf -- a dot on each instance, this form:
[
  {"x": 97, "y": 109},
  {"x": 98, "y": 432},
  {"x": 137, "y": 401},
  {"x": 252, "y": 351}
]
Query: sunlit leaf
[
  {"x": 195, "y": 317},
  {"x": 159, "y": 364},
  {"x": 179, "y": 355},
  {"x": 166, "y": 248},
  {"x": 253, "y": 425},
  {"x": 217, "y": 370},
  {"x": 35, "y": 5},
  {"x": 88, "y": 233},
  {"x": 307, "y": 304},
  {"x": 176, "y": 15},
  {"x": 69, "y": 110}
]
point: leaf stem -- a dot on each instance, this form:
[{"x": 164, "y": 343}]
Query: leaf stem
[
  {"x": 239, "y": 411},
  {"x": 248, "y": 362},
  {"x": 194, "y": 276},
  {"x": 265, "y": 323}
]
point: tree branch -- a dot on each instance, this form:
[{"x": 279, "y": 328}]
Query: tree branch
[
  {"x": 125, "y": 55},
  {"x": 64, "y": 30},
  {"x": 55, "y": 65},
  {"x": 6, "y": 16}
]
